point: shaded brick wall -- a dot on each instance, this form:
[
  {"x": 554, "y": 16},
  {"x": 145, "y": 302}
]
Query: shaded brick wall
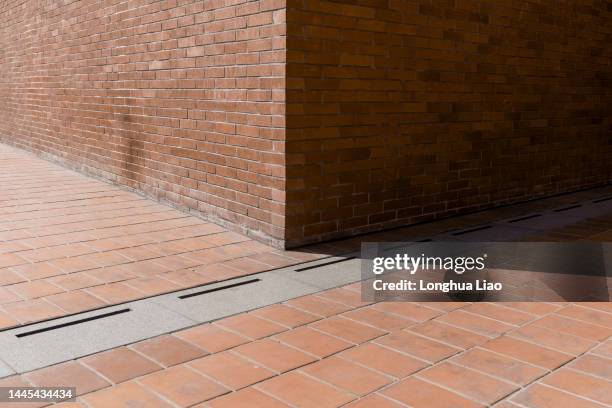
[
  {"x": 403, "y": 111},
  {"x": 181, "y": 99}
]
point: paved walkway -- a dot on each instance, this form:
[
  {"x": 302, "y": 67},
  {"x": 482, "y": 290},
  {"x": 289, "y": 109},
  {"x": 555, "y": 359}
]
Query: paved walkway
[
  {"x": 330, "y": 349},
  {"x": 69, "y": 243}
]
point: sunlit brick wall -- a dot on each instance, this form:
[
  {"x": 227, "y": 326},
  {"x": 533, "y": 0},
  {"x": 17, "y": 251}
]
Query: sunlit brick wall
[{"x": 181, "y": 99}]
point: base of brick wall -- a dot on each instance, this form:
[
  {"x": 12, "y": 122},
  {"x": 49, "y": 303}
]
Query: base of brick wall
[
  {"x": 370, "y": 229},
  {"x": 274, "y": 242}
]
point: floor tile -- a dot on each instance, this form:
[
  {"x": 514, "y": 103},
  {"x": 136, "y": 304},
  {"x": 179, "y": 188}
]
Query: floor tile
[
  {"x": 384, "y": 360},
  {"x": 251, "y": 326},
  {"x": 70, "y": 374},
  {"x": 35, "y": 289},
  {"x": 374, "y": 401},
  {"x": 120, "y": 364},
  {"x": 248, "y": 397},
  {"x": 378, "y": 319},
  {"x": 475, "y": 323},
  {"x": 555, "y": 340},
  {"x": 581, "y": 384},
  {"x": 231, "y": 370},
  {"x": 594, "y": 365},
  {"x": 33, "y": 310},
  {"x": 541, "y": 396},
  {"x": 478, "y": 386},
  {"x": 313, "y": 342},
  {"x": 499, "y": 365},
  {"x": 127, "y": 395},
  {"x": 211, "y": 338},
  {"x": 168, "y": 350},
  {"x": 347, "y": 375},
  {"x": 407, "y": 310},
  {"x": 318, "y": 305},
  {"x": 183, "y": 386},
  {"x": 528, "y": 352},
  {"x": 420, "y": 394},
  {"x": 574, "y": 327},
  {"x": 348, "y": 330},
  {"x": 449, "y": 334},
  {"x": 302, "y": 391},
  {"x": 114, "y": 293},
  {"x": 501, "y": 313},
  {"x": 417, "y": 346},
  {"x": 75, "y": 302},
  {"x": 274, "y": 355},
  {"x": 285, "y": 315}
]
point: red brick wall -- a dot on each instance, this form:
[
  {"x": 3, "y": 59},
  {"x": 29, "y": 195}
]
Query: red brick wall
[
  {"x": 181, "y": 99},
  {"x": 402, "y": 111},
  {"x": 387, "y": 111}
]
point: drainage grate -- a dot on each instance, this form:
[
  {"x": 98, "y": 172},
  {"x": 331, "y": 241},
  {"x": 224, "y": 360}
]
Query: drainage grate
[
  {"x": 405, "y": 245},
  {"x": 72, "y": 323},
  {"x": 472, "y": 230},
  {"x": 233, "y": 285},
  {"x": 527, "y": 217},
  {"x": 42, "y": 344},
  {"x": 571, "y": 207},
  {"x": 601, "y": 200},
  {"x": 307, "y": 268}
]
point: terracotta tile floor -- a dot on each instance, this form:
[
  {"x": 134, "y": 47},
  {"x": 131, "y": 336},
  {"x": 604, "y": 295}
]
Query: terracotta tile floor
[
  {"x": 329, "y": 349},
  {"x": 69, "y": 243}
]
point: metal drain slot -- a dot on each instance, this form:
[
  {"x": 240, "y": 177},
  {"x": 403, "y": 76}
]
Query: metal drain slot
[
  {"x": 404, "y": 245},
  {"x": 472, "y": 230},
  {"x": 571, "y": 207},
  {"x": 233, "y": 285},
  {"x": 306, "y": 268},
  {"x": 601, "y": 200},
  {"x": 40, "y": 345},
  {"x": 73, "y": 323},
  {"x": 387, "y": 249},
  {"x": 527, "y": 217}
]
